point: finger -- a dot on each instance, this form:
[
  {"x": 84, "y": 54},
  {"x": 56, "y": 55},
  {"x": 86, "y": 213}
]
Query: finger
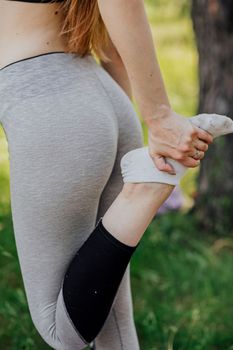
[
  {"x": 200, "y": 145},
  {"x": 198, "y": 155},
  {"x": 161, "y": 164},
  {"x": 204, "y": 136},
  {"x": 191, "y": 162}
]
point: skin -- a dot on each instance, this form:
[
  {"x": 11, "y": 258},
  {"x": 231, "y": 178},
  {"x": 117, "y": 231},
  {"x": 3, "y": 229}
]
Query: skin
[
  {"x": 133, "y": 209},
  {"x": 28, "y": 29}
]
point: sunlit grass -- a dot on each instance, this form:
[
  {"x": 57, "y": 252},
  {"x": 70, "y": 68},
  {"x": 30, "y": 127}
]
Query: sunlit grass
[{"x": 4, "y": 174}]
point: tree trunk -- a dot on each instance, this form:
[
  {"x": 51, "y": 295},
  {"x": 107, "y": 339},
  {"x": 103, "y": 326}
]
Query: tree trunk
[{"x": 213, "y": 26}]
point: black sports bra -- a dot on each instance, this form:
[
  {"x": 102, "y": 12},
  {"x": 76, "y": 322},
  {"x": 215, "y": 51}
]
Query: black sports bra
[{"x": 39, "y": 1}]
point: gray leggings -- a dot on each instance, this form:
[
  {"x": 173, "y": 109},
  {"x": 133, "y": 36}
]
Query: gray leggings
[{"x": 68, "y": 124}]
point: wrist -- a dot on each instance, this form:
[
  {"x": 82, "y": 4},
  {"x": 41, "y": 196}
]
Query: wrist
[{"x": 160, "y": 112}]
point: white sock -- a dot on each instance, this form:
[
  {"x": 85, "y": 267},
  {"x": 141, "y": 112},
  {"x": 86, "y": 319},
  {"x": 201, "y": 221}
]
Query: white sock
[{"x": 138, "y": 166}]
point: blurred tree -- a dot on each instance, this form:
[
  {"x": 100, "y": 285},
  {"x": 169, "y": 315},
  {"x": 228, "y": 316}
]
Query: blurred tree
[{"x": 213, "y": 26}]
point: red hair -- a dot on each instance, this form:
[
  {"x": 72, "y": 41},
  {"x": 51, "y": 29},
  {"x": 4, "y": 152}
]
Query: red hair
[{"x": 84, "y": 28}]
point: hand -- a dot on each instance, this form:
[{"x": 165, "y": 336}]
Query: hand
[{"x": 174, "y": 136}]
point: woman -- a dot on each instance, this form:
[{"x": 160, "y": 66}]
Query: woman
[{"x": 68, "y": 123}]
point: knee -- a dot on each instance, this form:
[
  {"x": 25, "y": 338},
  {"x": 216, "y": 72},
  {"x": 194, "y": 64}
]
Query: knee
[{"x": 55, "y": 328}]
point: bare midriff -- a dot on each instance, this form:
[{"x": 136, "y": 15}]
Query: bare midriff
[{"x": 29, "y": 29}]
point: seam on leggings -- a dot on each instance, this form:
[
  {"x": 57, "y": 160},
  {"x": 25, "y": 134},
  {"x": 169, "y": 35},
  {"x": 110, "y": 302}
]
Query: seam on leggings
[
  {"x": 71, "y": 320},
  {"x": 118, "y": 328}
]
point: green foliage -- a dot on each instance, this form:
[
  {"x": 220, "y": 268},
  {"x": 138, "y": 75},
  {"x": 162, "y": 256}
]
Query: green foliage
[
  {"x": 185, "y": 302},
  {"x": 176, "y": 50},
  {"x": 179, "y": 8},
  {"x": 4, "y": 175}
]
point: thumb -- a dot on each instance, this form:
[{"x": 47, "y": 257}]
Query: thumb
[{"x": 160, "y": 163}]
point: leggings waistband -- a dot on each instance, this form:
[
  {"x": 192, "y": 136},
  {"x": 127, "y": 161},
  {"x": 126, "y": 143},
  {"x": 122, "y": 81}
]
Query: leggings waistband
[{"x": 32, "y": 57}]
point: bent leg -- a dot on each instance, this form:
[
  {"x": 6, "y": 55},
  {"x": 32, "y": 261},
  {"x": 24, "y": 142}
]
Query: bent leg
[{"x": 119, "y": 330}]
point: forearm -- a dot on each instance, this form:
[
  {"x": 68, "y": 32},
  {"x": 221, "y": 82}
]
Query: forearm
[
  {"x": 117, "y": 69},
  {"x": 128, "y": 26}
]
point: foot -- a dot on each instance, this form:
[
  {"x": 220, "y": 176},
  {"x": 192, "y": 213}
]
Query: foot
[
  {"x": 215, "y": 124},
  {"x": 137, "y": 165}
]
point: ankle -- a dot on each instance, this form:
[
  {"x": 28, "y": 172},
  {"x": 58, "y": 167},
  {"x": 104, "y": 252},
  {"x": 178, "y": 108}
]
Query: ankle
[{"x": 133, "y": 190}]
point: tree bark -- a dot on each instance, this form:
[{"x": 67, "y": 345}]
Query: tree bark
[{"x": 213, "y": 26}]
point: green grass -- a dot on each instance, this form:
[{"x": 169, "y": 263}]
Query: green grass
[
  {"x": 182, "y": 282},
  {"x": 181, "y": 277},
  {"x": 16, "y": 329}
]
